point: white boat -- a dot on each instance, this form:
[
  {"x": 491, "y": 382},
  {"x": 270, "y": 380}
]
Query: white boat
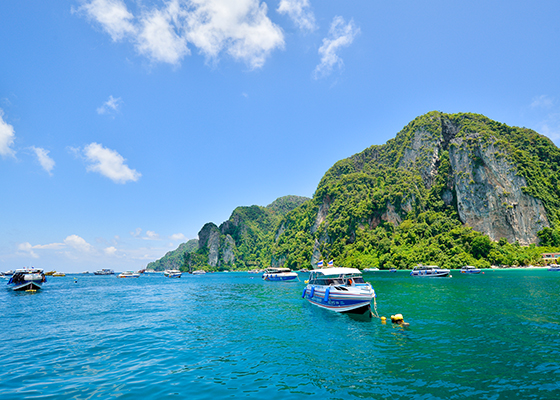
[
  {"x": 429, "y": 271},
  {"x": 371, "y": 269},
  {"x": 199, "y": 272},
  {"x": 173, "y": 273},
  {"x": 553, "y": 267},
  {"x": 469, "y": 269},
  {"x": 104, "y": 271},
  {"x": 128, "y": 274},
  {"x": 342, "y": 290},
  {"x": 279, "y": 274},
  {"x": 27, "y": 279}
]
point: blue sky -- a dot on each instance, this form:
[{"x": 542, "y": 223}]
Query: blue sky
[{"x": 126, "y": 125}]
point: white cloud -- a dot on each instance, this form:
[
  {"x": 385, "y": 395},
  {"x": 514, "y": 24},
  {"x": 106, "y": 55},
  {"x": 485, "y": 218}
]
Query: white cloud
[
  {"x": 43, "y": 157},
  {"x": 78, "y": 243},
  {"x": 6, "y": 137},
  {"x": 341, "y": 34},
  {"x": 111, "y": 105},
  {"x": 177, "y": 236},
  {"x": 109, "y": 163},
  {"x": 113, "y": 16},
  {"x": 137, "y": 232},
  {"x": 542, "y": 101},
  {"x": 151, "y": 235},
  {"x": 111, "y": 251},
  {"x": 240, "y": 28},
  {"x": 159, "y": 38},
  {"x": 28, "y": 249},
  {"x": 299, "y": 11}
]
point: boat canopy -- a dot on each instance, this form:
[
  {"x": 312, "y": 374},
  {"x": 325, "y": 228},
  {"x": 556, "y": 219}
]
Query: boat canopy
[{"x": 337, "y": 271}]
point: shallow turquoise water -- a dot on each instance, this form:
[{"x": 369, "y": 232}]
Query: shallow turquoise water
[{"x": 491, "y": 336}]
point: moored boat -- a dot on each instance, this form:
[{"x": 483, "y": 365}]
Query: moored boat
[
  {"x": 553, "y": 267},
  {"x": 58, "y": 274},
  {"x": 371, "y": 269},
  {"x": 173, "y": 273},
  {"x": 339, "y": 289},
  {"x": 27, "y": 279},
  {"x": 279, "y": 274},
  {"x": 429, "y": 271},
  {"x": 469, "y": 269},
  {"x": 199, "y": 272},
  {"x": 104, "y": 271},
  {"x": 128, "y": 274}
]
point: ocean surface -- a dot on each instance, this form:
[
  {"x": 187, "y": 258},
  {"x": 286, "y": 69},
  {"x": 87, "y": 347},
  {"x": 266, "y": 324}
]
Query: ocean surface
[{"x": 231, "y": 335}]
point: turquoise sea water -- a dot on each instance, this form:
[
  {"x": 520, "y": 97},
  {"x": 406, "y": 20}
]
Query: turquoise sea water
[{"x": 231, "y": 335}]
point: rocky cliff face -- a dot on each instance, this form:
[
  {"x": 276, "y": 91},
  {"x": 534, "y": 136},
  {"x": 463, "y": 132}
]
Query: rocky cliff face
[
  {"x": 464, "y": 160},
  {"x": 489, "y": 191},
  {"x": 487, "y": 185}
]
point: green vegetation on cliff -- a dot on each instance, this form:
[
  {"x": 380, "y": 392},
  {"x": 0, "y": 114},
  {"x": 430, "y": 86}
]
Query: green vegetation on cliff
[{"x": 449, "y": 189}]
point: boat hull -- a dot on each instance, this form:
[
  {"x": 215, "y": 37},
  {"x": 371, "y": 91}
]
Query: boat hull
[
  {"x": 280, "y": 277},
  {"x": 429, "y": 275},
  {"x": 347, "y": 303},
  {"x": 28, "y": 285}
]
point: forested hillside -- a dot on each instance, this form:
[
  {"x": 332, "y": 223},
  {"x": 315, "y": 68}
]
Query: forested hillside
[{"x": 449, "y": 189}]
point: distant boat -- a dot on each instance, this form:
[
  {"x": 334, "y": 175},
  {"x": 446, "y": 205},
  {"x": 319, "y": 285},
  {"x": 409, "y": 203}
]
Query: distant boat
[
  {"x": 27, "y": 279},
  {"x": 50, "y": 273},
  {"x": 469, "y": 269},
  {"x": 58, "y": 274},
  {"x": 429, "y": 271},
  {"x": 553, "y": 267},
  {"x": 128, "y": 274},
  {"x": 173, "y": 273},
  {"x": 279, "y": 274},
  {"x": 104, "y": 271},
  {"x": 9, "y": 273},
  {"x": 371, "y": 269},
  {"x": 199, "y": 272}
]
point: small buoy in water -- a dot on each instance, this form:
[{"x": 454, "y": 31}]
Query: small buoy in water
[
  {"x": 451, "y": 276},
  {"x": 383, "y": 320},
  {"x": 483, "y": 273},
  {"x": 398, "y": 319},
  {"x": 307, "y": 281}
]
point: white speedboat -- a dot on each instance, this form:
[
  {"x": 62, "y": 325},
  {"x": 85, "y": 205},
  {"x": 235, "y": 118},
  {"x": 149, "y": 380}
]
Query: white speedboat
[
  {"x": 27, "y": 279},
  {"x": 173, "y": 273},
  {"x": 553, "y": 267},
  {"x": 371, "y": 269},
  {"x": 128, "y": 274},
  {"x": 279, "y": 274},
  {"x": 105, "y": 271},
  {"x": 429, "y": 271},
  {"x": 469, "y": 269},
  {"x": 199, "y": 272},
  {"x": 342, "y": 290}
]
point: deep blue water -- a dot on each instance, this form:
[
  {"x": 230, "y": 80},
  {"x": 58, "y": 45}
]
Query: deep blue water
[{"x": 231, "y": 335}]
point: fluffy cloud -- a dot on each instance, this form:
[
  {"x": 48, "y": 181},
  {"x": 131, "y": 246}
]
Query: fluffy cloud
[
  {"x": 109, "y": 163},
  {"x": 43, "y": 157},
  {"x": 6, "y": 137},
  {"x": 111, "y": 251},
  {"x": 111, "y": 105},
  {"x": 151, "y": 235},
  {"x": 113, "y": 16},
  {"x": 158, "y": 38},
  {"x": 341, "y": 34},
  {"x": 240, "y": 28},
  {"x": 177, "y": 236},
  {"x": 78, "y": 243},
  {"x": 299, "y": 11}
]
